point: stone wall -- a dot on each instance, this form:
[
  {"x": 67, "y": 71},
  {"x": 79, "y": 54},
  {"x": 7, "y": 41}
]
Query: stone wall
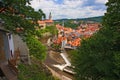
[{"x": 24, "y": 51}]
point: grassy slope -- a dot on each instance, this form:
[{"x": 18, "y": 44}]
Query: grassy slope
[{"x": 36, "y": 71}]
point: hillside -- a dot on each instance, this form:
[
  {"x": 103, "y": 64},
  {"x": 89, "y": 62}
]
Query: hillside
[
  {"x": 73, "y": 23},
  {"x": 96, "y": 19}
]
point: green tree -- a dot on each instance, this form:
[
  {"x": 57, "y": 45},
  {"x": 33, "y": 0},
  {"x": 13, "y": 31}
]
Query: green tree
[
  {"x": 16, "y": 13},
  {"x": 19, "y": 14},
  {"x": 36, "y": 48},
  {"x": 36, "y": 71},
  {"x": 52, "y": 29},
  {"x": 71, "y": 24},
  {"x": 98, "y": 57}
]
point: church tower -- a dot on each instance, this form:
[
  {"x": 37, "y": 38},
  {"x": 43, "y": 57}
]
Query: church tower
[{"x": 50, "y": 16}]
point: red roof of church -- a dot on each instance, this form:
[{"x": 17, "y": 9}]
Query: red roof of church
[
  {"x": 45, "y": 21},
  {"x": 41, "y": 22},
  {"x": 48, "y": 21}
]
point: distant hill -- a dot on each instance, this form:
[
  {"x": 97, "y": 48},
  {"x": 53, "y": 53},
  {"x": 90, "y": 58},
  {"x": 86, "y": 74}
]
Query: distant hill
[
  {"x": 74, "y": 23},
  {"x": 95, "y": 19}
]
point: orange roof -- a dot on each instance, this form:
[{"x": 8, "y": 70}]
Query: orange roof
[
  {"x": 75, "y": 42},
  {"x": 59, "y": 40},
  {"x": 48, "y": 21},
  {"x": 86, "y": 32},
  {"x": 45, "y": 21},
  {"x": 41, "y": 22}
]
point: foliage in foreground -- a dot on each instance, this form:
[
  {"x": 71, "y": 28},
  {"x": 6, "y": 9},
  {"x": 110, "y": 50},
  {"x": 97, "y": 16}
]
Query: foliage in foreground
[
  {"x": 20, "y": 15},
  {"x": 36, "y": 48},
  {"x": 98, "y": 58},
  {"x": 34, "y": 72},
  {"x": 52, "y": 29}
]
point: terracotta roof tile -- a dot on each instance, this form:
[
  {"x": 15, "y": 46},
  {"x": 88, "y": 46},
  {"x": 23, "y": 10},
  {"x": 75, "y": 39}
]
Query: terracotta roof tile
[{"x": 48, "y": 21}]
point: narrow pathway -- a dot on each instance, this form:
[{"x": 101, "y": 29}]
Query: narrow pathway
[
  {"x": 61, "y": 67},
  {"x": 49, "y": 62}
]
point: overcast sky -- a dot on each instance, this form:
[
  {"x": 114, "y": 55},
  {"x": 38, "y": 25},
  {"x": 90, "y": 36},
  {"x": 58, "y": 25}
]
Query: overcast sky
[{"x": 71, "y": 8}]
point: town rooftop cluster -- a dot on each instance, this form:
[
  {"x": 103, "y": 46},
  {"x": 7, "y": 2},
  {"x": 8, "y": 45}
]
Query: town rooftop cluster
[{"x": 72, "y": 37}]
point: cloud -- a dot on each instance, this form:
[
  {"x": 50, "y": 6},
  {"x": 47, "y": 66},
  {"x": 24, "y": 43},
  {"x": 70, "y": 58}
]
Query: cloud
[
  {"x": 58, "y": 1},
  {"x": 70, "y": 8},
  {"x": 101, "y": 1}
]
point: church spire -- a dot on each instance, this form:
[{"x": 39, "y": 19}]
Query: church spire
[{"x": 50, "y": 16}]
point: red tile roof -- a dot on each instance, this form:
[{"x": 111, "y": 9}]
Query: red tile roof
[
  {"x": 71, "y": 34},
  {"x": 48, "y": 21},
  {"x": 45, "y": 21},
  {"x": 41, "y": 22}
]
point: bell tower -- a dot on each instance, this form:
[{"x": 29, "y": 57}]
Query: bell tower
[{"x": 50, "y": 16}]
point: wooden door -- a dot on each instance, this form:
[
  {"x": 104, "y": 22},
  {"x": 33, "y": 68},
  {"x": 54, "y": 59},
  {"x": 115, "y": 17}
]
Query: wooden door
[{"x": 2, "y": 50}]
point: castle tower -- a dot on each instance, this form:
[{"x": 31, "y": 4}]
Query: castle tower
[{"x": 50, "y": 16}]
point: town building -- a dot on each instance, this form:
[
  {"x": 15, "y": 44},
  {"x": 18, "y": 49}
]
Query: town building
[
  {"x": 46, "y": 22},
  {"x": 71, "y": 38},
  {"x": 12, "y": 51},
  {"x": 8, "y": 56}
]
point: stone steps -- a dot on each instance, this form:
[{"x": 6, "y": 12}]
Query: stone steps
[{"x": 8, "y": 72}]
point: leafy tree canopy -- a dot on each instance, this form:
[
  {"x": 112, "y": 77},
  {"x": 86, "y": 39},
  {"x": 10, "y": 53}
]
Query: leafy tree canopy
[
  {"x": 98, "y": 58},
  {"x": 19, "y": 13},
  {"x": 52, "y": 29}
]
